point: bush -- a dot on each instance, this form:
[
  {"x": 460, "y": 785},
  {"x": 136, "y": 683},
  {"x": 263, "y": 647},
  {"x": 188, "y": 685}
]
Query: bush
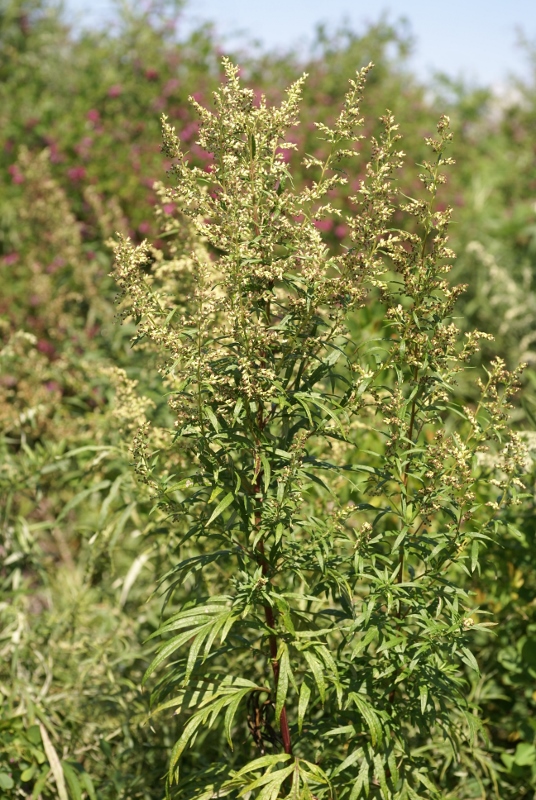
[{"x": 327, "y": 495}]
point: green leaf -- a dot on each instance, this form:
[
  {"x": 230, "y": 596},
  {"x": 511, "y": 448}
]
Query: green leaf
[
  {"x": 474, "y": 554},
  {"x": 238, "y": 408},
  {"x": 33, "y": 734},
  {"x": 363, "y": 780},
  {"x": 425, "y": 780},
  {"x": 305, "y": 694},
  {"x": 220, "y": 508},
  {"x": 349, "y": 761},
  {"x": 329, "y": 661},
  {"x": 183, "y": 742},
  {"x": 217, "y": 490},
  {"x": 221, "y": 625},
  {"x": 230, "y": 713},
  {"x": 411, "y": 793},
  {"x": 263, "y": 761},
  {"x": 318, "y": 673},
  {"x": 108, "y": 500},
  {"x": 82, "y": 496},
  {"x": 90, "y": 448},
  {"x": 370, "y": 717},
  {"x": 283, "y": 680},
  {"x": 195, "y": 648},
  {"x": 469, "y": 659},
  {"x": 316, "y": 772},
  {"x": 271, "y": 780},
  {"x": 55, "y": 763},
  {"x": 165, "y": 652},
  {"x": 6, "y": 781},
  {"x": 508, "y": 761},
  {"x": 379, "y": 772},
  {"x": 525, "y": 754},
  {"x": 27, "y": 774},
  {"x": 87, "y": 783},
  {"x": 267, "y": 472},
  {"x": 212, "y": 417},
  {"x": 343, "y": 730},
  {"x": 400, "y": 538},
  {"x": 369, "y": 636},
  {"x": 71, "y": 776},
  {"x": 423, "y": 694},
  {"x": 40, "y": 782},
  {"x": 528, "y": 653}
]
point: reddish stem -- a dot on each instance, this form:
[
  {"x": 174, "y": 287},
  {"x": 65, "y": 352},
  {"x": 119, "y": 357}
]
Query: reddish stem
[{"x": 270, "y": 621}]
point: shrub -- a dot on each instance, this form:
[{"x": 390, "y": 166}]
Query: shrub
[{"x": 327, "y": 495}]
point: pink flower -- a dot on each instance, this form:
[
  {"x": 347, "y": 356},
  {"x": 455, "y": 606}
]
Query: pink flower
[
  {"x": 115, "y": 91},
  {"x": 168, "y": 208},
  {"x": 93, "y": 115},
  {"x": 55, "y": 155},
  {"x": 189, "y": 131},
  {"x": 159, "y": 103},
  {"x": 76, "y": 173},
  {"x": 323, "y": 224},
  {"x": 10, "y": 259},
  {"x": 144, "y": 228},
  {"x": 47, "y": 348},
  {"x": 171, "y": 86},
  {"x": 285, "y": 154},
  {"x": 16, "y": 174},
  {"x": 83, "y": 147},
  {"x": 341, "y": 231},
  {"x": 55, "y": 265},
  {"x": 151, "y": 74}
]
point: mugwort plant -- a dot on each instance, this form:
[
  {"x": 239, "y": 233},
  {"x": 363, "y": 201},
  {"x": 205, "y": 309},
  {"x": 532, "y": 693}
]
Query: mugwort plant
[{"x": 327, "y": 496}]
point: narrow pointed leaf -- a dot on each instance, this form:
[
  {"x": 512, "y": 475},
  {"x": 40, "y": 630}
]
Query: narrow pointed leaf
[{"x": 220, "y": 508}]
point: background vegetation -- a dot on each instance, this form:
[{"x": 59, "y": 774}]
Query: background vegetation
[{"x": 81, "y": 544}]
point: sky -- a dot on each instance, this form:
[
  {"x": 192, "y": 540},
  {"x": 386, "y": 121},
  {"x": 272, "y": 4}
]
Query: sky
[{"x": 476, "y": 40}]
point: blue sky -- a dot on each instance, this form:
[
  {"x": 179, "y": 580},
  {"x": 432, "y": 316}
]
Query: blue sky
[{"x": 475, "y": 39}]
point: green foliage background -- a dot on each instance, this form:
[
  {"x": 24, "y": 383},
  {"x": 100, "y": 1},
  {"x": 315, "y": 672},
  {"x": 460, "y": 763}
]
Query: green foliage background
[{"x": 80, "y": 549}]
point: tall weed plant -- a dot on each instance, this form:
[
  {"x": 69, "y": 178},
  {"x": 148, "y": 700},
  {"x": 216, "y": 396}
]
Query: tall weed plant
[
  {"x": 328, "y": 499},
  {"x": 79, "y": 551}
]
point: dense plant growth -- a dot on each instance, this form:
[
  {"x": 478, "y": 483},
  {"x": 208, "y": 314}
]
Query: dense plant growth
[
  {"x": 83, "y": 544},
  {"x": 326, "y": 505}
]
